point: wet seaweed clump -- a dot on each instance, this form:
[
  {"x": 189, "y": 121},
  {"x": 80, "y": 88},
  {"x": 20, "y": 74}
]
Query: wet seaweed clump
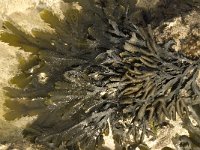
[{"x": 97, "y": 74}]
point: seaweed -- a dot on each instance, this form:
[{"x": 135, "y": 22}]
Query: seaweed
[{"x": 98, "y": 70}]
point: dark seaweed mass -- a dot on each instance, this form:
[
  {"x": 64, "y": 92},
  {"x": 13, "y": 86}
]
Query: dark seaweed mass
[{"x": 97, "y": 70}]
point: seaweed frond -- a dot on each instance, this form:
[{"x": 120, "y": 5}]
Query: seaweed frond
[{"x": 98, "y": 69}]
